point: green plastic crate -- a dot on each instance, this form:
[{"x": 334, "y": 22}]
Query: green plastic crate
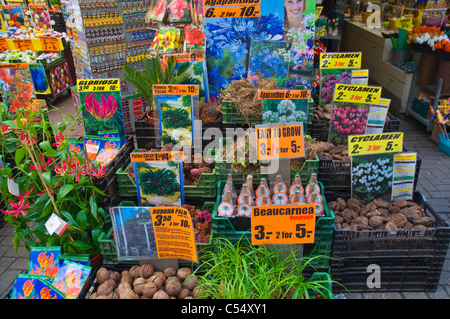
[
  {"x": 108, "y": 247},
  {"x": 327, "y": 292},
  {"x": 127, "y": 185},
  {"x": 222, "y": 227}
]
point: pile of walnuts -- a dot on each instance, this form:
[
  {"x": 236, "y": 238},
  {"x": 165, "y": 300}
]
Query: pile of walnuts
[{"x": 143, "y": 282}]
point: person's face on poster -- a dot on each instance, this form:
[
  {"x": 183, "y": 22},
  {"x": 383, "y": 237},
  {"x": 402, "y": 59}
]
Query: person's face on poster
[{"x": 294, "y": 10}]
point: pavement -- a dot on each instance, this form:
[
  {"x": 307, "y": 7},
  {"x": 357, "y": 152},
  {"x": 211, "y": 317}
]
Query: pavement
[{"x": 433, "y": 184}]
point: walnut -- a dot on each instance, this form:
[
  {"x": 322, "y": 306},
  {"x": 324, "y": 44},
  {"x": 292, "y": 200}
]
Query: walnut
[
  {"x": 183, "y": 273},
  {"x": 147, "y": 271},
  {"x": 160, "y": 274},
  {"x": 149, "y": 289},
  {"x": 172, "y": 287},
  {"x": 128, "y": 294},
  {"x": 138, "y": 283},
  {"x": 126, "y": 277},
  {"x": 102, "y": 297},
  {"x": 114, "y": 275},
  {"x": 161, "y": 294},
  {"x": 191, "y": 282},
  {"x": 94, "y": 295},
  {"x": 170, "y": 271},
  {"x": 106, "y": 288},
  {"x": 113, "y": 295},
  {"x": 102, "y": 275},
  {"x": 135, "y": 271},
  {"x": 184, "y": 293},
  {"x": 157, "y": 280}
]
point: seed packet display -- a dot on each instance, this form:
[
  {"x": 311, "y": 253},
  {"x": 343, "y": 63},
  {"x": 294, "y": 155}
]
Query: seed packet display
[
  {"x": 80, "y": 259},
  {"x": 371, "y": 176},
  {"x": 71, "y": 278},
  {"x": 175, "y": 116},
  {"x": 109, "y": 134},
  {"x": 27, "y": 286},
  {"x": 44, "y": 261},
  {"x": 194, "y": 37},
  {"x": 109, "y": 147},
  {"x": 92, "y": 146}
]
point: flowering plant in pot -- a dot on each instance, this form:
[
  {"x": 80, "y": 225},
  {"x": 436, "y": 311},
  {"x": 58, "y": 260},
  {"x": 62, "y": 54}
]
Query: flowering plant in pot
[{"x": 47, "y": 180}]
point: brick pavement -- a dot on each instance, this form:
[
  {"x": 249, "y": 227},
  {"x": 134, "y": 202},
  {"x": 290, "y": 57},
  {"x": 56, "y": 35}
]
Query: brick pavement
[{"x": 432, "y": 183}]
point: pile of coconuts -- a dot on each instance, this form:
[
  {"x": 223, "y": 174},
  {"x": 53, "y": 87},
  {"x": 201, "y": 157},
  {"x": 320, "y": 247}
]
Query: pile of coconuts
[
  {"x": 144, "y": 282},
  {"x": 379, "y": 215}
]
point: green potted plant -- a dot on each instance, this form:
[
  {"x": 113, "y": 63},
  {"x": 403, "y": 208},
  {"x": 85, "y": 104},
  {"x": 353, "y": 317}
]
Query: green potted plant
[
  {"x": 49, "y": 181},
  {"x": 244, "y": 271}
]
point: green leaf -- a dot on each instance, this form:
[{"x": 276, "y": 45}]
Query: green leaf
[
  {"x": 64, "y": 190},
  {"x": 82, "y": 219},
  {"x": 20, "y": 154},
  {"x": 16, "y": 242},
  {"x": 79, "y": 245},
  {"x": 11, "y": 124},
  {"x": 46, "y": 146},
  {"x": 70, "y": 218},
  {"x": 93, "y": 205}
]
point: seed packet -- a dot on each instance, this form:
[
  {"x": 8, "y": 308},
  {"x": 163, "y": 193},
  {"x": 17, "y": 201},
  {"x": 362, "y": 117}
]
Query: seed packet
[
  {"x": 71, "y": 278},
  {"x": 80, "y": 259},
  {"x": 76, "y": 151},
  {"x": 28, "y": 286},
  {"x": 169, "y": 39},
  {"x": 179, "y": 11},
  {"x": 109, "y": 147},
  {"x": 92, "y": 144},
  {"x": 194, "y": 37},
  {"x": 44, "y": 261},
  {"x": 159, "y": 11},
  {"x": 110, "y": 134}
]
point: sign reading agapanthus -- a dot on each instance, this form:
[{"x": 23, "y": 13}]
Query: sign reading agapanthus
[{"x": 101, "y": 105}]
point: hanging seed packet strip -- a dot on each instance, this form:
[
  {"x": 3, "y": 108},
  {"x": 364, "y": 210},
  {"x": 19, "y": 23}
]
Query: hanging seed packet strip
[
  {"x": 28, "y": 286},
  {"x": 403, "y": 176},
  {"x": 44, "y": 261}
]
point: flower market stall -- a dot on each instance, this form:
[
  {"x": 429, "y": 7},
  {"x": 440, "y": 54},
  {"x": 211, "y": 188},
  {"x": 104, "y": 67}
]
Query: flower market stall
[{"x": 223, "y": 154}]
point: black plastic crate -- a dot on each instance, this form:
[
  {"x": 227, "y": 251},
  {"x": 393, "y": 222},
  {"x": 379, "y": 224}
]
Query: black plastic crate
[
  {"x": 414, "y": 243},
  {"x": 336, "y": 175},
  {"x": 397, "y": 274},
  {"x": 145, "y": 134},
  {"x": 319, "y": 128}
]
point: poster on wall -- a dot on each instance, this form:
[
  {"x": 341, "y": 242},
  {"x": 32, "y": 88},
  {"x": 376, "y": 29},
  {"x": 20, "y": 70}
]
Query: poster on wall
[{"x": 101, "y": 105}]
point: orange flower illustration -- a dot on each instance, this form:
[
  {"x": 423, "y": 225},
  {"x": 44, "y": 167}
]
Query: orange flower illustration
[
  {"x": 28, "y": 287},
  {"x": 45, "y": 293},
  {"x": 45, "y": 261},
  {"x": 73, "y": 277},
  {"x": 72, "y": 292}
]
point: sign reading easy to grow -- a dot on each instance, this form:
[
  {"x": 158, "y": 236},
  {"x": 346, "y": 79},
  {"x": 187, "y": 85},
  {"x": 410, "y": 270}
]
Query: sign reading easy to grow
[
  {"x": 375, "y": 143},
  {"x": 357, "y": 94},
  {"x": 284, "y": 141},
  {"x": 347, "y": 60},
  {"x": 283, "y": 224}
]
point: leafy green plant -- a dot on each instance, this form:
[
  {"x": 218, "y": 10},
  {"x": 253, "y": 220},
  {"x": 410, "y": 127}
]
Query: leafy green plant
[
  {"x": 175, "y": 118},
  {"x": 162, "y": 182},
  {"x": 244, "y": 271},
  {"x": 50, "y": 183},
  {"x": 153, "y": 72}
]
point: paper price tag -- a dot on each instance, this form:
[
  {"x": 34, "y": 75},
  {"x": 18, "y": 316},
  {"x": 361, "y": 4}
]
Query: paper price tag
[
  {"x": 13, "y": 187},
  {"x": 283, "y": 224},
  {"x": 404, "y": 23},
  {"x": 23, "y": 44},
  {"x": 357, "y": 94},
  {"x": 186, "y": 57},
  {"x": 375, "y": 143},
  {"x": 184, "y": 89},
  {"x": 284, "y": 94},
  {"x": 3, "y": 45},
  {"x": 157, "y": 156},
  {"x": 348, "y": 60},
  {"x": 55, "y": 225},
  {"x": 174, "y": 233},
  {"x": 98, "y": 85},
  {"x": 284, "y": 141},
  {"x": 49, "y": 44},
  {"x": 232, "y": 12}
]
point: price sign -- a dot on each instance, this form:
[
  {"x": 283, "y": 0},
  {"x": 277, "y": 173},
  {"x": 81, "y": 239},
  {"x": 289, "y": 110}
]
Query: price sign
[
  {"x": 283, "y": 224},
  {"x": 3, "y": 45},
  {"x": 13, "y": 65},
  {"x": 405, "y": 23},
  {"x": 186, "y": 57},
  {"x": 375, "y": 143},
  {"x": 174, "y": 233},
  {"x": 183, "y": 89},
  {"x": 357, "y": 94},
  {"x": 232, "y": 12},
  {"x": 284, "y": 94},
  {"x": 98, "y": 85},
  {"x": 156, "y": 156},
  {"x": 23, "y": 44},
  {"x": 347, "y": 60},
  {"x": 49, "y": 44},
  {"x": 284, "y": 141}
]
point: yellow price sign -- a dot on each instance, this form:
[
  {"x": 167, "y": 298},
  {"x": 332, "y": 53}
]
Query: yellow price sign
[
  {"x": 404, "y": 23},
  {"x": 318, "y": 11},
  {"x": 23, "y": 44},
  {"x": 375, "y": 143},
  {"x": 345, "y": 60},
  {"x": 156, "y": 156},
  {"x": 183, "y": 89},
  {"x": 283, "y": 224},
  {"x": 284, "y": 141},
  {"x": 98, "y": 85},
  {"x": 357, "y": 94}
]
